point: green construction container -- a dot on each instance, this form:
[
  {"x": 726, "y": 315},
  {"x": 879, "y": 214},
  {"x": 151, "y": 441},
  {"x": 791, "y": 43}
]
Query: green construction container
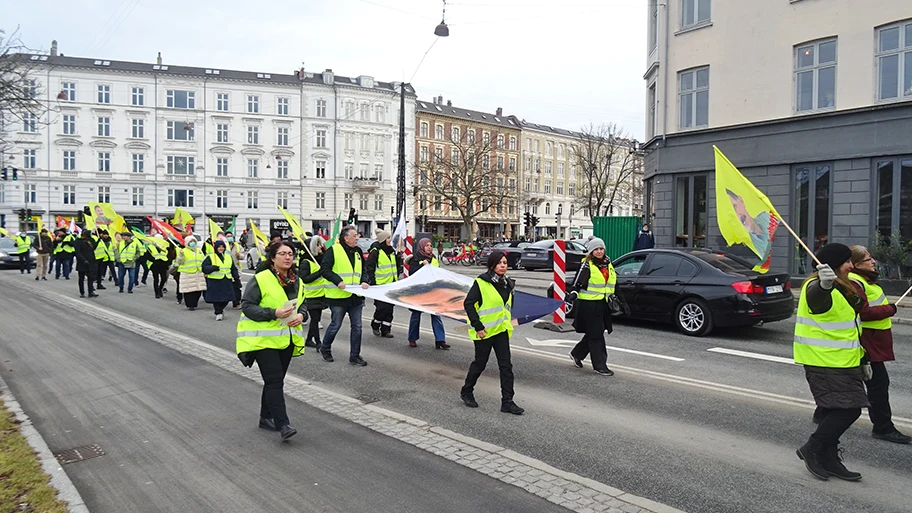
[{"x": 618, "y": 232}]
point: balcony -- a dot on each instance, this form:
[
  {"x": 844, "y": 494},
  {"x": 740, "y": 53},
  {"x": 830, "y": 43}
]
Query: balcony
[{"x": 365, "y": 184}]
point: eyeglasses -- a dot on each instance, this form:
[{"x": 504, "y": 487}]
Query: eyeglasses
[
  {"x": 285, "y": 254},
  {"x": 869, "y": 259}
]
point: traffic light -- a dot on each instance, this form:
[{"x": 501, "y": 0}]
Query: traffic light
[
  {"x": 352, "y": 217},
  {"x": 15, "y": 174},
  {"x": 527, "y": 218},
  {"x": 535, "y": 220}
]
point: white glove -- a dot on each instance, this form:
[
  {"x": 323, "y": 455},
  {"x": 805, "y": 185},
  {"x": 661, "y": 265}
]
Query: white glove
[{"x": 827, "y": 276}]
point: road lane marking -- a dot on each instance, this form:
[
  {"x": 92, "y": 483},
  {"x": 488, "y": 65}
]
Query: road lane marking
[
  {"x": 558, "y": 342},
  {"x": 756, "y": 356}
]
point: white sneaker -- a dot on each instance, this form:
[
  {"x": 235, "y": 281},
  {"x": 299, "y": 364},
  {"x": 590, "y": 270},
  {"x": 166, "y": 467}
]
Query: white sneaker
[{"x": 219, "y": 317}]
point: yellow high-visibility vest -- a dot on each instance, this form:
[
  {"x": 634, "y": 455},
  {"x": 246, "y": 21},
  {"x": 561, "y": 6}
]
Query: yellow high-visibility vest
[
  {"x": 599, "y": 289},
  {"x": 386, "y": 268},
  {"x": 255, "y": 335},
  {"x": 876, "y": 297},
  {"x": 830, "y": 339},
  {"x": 351, "y": 276}
]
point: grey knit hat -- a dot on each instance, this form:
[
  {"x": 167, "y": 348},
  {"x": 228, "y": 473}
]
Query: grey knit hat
[{"x": 594, "y": 243}]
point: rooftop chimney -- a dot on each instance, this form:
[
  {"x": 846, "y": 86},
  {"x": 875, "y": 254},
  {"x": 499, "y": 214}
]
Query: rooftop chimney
[
  {"x": 54, "y": 48},
  {"x": 449, "y": 102},
  {"x": 499, "y": 111},
  {"x": 158, "y": 60},
  {"x": 440, "y": 99}
]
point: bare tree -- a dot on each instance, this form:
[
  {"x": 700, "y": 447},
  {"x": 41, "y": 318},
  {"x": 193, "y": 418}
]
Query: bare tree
[
  {"x": 21, "y": 106},
  {"x": 606, "y": 160},
  {"x": 470, "y": 180}
]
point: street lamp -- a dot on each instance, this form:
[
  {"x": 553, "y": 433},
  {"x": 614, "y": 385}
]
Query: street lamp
[{"x": 442, "y": 30}]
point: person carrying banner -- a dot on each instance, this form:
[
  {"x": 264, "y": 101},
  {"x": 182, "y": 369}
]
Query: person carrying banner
[
  {"x": 594, "y": 285},
  {"x": 220, "y": 273},
  {"x": 342, "y": 267},
  {"x": 382, "y": 266},
  {"x": 488, "y": 306},
  {"x": 189, "y": 266},
  {"x": 315, "y": 288},
  {"x": 424, "y": 255},
  {"x": 85, "y": 262},
  {"x": 827, "y": 343},
  {"x": 877, "y": 341},
  {"x": 43, "y": 246}
]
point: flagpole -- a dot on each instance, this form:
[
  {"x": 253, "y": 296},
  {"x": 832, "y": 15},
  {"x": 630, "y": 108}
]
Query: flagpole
[
  {"x": 903, "y": 296},
  {"x": 803, "y": 245}
]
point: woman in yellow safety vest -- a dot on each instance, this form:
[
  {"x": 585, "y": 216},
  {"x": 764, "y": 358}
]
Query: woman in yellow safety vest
[
  {"x": 488, "y": 306},
  {"x": 877, "y": 341},
  {"x": 220, "y": 272},
  {"x": 270, "y": 330},
  {"x": 827, "y": 342},
  {"x": 192, "y": 281},
  {"x": 315, "y": 286},
  {"x": 594, "y": 286},
  {"x": 383, "y": 266}
]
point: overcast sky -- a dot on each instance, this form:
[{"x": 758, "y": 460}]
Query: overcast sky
[{"x": 561, "y": 63}]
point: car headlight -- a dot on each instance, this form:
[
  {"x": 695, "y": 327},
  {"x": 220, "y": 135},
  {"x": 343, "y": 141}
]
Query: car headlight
[
  {"x": 33, "y": 254},
  {"x": 3, "y": 255}
]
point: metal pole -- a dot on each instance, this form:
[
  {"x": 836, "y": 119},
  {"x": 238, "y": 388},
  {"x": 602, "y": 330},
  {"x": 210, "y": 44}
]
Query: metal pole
[{"x": 400, "y": 178}]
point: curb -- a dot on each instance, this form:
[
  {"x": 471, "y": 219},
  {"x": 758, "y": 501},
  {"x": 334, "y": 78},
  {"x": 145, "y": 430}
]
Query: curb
[{"x": 66, "y": 491}]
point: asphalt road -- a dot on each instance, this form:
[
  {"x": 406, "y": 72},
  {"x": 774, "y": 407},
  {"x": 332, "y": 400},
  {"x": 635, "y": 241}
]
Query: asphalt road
[{"x": 680, "y": 423}]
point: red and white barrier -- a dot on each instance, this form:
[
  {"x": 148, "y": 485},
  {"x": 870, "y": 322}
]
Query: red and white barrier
[
  {"x": 560, "y": 280},
  {"x": 408, "y": 251}
]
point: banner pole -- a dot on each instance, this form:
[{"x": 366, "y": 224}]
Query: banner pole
[
  {"x": 903, "y": 296},
  {"x": 803, "y": 245}
]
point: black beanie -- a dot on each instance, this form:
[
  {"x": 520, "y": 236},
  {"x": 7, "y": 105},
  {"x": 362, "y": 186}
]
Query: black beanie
[{"x": 834, "y": 255}]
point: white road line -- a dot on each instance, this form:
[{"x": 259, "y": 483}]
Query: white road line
[
  {"x": 756, "y": 356},
  {"x": 643, "y": 353}
]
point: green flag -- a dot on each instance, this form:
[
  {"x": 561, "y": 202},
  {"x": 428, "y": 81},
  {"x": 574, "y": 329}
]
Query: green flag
[
  {"x": 337, "y": 227},
  {"x": 232, "y": 226}
]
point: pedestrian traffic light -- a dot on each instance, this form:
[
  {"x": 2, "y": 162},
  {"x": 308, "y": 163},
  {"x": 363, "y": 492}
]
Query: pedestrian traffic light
[
  {"x": 5, "y": 175},
  {"x": 15, "y": 174},
  {"x": 527, "y": 218}
]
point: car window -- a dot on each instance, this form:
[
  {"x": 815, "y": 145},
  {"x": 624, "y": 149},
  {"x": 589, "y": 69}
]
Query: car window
[
  {"x": 722, "y": 262},
  {"x": 543, "y": 244},
  {"x": 576, "y": 246},
  {"x": 631, "y": 266},
  {"x": 502, "y": 245},
  {"x": 523, "y": 245},
  {"x": 7, "y": 243},
  {"x": 687, "y": 268},
  {"x": 663, "y": 264}
]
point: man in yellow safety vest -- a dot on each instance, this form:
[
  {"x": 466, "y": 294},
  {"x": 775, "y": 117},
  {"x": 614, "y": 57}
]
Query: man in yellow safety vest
[{"x": 341, "y": 265}]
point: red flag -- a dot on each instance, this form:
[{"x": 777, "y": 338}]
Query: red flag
[{"x": 166, "y": 229}]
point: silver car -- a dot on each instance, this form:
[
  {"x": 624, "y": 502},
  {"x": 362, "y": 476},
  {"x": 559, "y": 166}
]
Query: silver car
[{"x": 8, "y": 255}]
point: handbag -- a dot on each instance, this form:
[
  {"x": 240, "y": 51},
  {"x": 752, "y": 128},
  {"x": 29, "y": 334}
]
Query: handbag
[{"x": 616, "y": 306}]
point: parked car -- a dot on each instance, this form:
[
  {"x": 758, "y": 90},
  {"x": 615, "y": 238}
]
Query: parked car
[
  {"x": 540, "y": 255},
  {"x": 8, "y": 255},
  {"x": 365, "y": 244},
  {"x": 698, "y": 290},
  {"x": 512, "y": 248},
  {"x": 252, "y": 257}
]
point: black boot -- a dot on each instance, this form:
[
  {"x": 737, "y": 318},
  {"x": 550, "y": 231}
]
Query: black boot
[
  {"x": 812, "y": 453},
  {"x": 439, "y": 344},
  {"x": 469, "y": 399},
  {"x": 833, "y": 464}
]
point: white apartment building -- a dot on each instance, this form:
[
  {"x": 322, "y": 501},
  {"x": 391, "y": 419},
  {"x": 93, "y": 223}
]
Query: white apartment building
[
  {"x": 811, "y": 99},
  {"x": 150, "y": 137}
]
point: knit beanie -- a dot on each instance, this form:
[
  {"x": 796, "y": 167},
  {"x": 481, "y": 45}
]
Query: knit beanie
[
  {"x": 381, "y": 235},
  {"x": 834, "y": 255},
  {"x": 594, "y": 243}
]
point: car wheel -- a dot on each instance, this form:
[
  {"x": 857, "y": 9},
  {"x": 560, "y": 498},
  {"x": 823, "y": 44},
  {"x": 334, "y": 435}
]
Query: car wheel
[
  {"x": 518, "y": 265},
  {"x": 249, "y": 262},
  {"x": 692, "y": 317}
]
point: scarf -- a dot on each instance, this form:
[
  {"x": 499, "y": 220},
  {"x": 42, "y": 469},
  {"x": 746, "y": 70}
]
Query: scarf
[
  {"x": 421, "y": 244},
  {"x": 602, "y": 266},
  {"x": 284, "y": 281},
  {"x": 871, "y": 276}
]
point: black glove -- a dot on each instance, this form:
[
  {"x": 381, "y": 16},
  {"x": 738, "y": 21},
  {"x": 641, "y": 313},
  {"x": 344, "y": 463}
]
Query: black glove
[{"x": 304, "y": 313}]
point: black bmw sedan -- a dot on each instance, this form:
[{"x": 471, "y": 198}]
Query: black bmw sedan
[{"x": 512, "y": 248}]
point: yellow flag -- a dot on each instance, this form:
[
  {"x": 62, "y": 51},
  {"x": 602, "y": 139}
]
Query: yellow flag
[
  {"x": 259, "y": 238},
  {"x": 41, "y": 225},
  {"x": 102, "y": 215},
  {"x": 182, "y": 218},
  {"x": 214, "y": 230},
  {"x": 745, "y": 215},
  {"x": 294, "y": 224},
  {"x": 4, "y": 232}
]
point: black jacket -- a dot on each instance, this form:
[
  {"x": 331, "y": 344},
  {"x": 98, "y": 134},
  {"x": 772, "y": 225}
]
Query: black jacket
[
  {"x": 418, "y": 261},
  {"x": 85, "y": 254},
  {"x": 368, "y": 274},
  {"x": 505, "y": 288},
  {"x": 326, "y": 270},
  {"x": 644, "y": 240},
  {"x": 592, "y": 317},
  {"x": 43, "y": 244}
]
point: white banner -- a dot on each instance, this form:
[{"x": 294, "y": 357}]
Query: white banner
[{"x": 431, "y": 290}]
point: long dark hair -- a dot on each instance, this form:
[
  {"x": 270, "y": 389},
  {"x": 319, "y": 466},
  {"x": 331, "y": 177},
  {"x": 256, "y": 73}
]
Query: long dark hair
[{"x": 271, "y": 251}]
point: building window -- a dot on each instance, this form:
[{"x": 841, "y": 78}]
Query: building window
[
  {"x": 139, "y": 128},
  {"x": 282, "y": 199},
  {"x": 282, "y": 169},
  {"x": 365, "y": 142},
  {"x": 321, "y": 108},
  {"x": 365, "y": 112},
  {"x": 378, "y": 171},
  {"x": 378, "y": 144},
  {"x": 29, "y": 159},
  {"x": 438, "y": 131},
  {"x": 500, "y": 141},
  {"x": 320, "y": 169},
  {"x": 69, "y": 124},
  {"x": 321, "y": 200},
  {"x": 500, "y": 163},
  {"x": 29, "y": 122},
  {"x": 104, "y": 94},
  {"x": 511, "y": 185},
  {"x": 690, "y": 211},
  {"x": 894, "y": 197},
  {"x": 512, "y": 143},
  {"x": 221, "y": 102},
  {"x": 424, "y": 154},
  {"x": 438, "y": 204},
  {"x": 180, "y": 198},
  {"x": 348, "y": 200},
  {"x": 454, "y": 134},
  {"x": 253, "y": 134},
  {"x": 69, "y": 89},
  {"x": 181, "y": 99},
  {"x": 560, "y": 169},
  {"x": 181, "y": 165},
  {"x": 253, "y": 104},
  {"x": 894, "y": 61},
  {"x": 378, "y": 202},
  {"x": 471, "y": 134},
  {"x": 815, "y": 76},
  {"x": 811, "y": 212},
  {"x": 485, "y": 161},
  {"x": 571, "y": 189},
  {"x": 69, "y": 194},
  {"x": 548, "y": 168},
  {"x": 321, "y": 138},
  {"x": 221, "y": 198},
  {"x": 694, "y": 12},
  {"x": 349, "y": 110},
  {"x": 104, "y": 194},
  {"x": 486, "y": 139},
  {"x": 137, "y": 96},
  {"x": 363, "y": 201},
  {"x": 651, "y": 112},
  {"x": 253, "y": 200},
  {"x": 139, "y": 163},
  {"x": 221, "y": 132},
  {"x": 253, "y": 168},
  {"x": 282, "y": 106},
  {"x": 281, "y": 136},
  {"x": 693, "y": 98},
  {"x": 104, "y": 127},
  {"x": 560, "y": 188},
  {"x": 139, "y": 199},
  {"x": 381, "y": 113},
  {"x": 547, "y": 186},
  {"x": 424, "y": 129},
  {"x": 30, "y": 194},
  {"x": 363, "y": 169},
  {"x": 349, "y": 171},
  {"x": 422, "y": 202},
  {"x": 69, "y": 160},
  {"x": 512, "y": 164},
  {"x": 221, "y": 166},
  {"x": 104, "y": 161},
  {"x": 179, "y": 131},
  {"x": 547, "y": 209}
]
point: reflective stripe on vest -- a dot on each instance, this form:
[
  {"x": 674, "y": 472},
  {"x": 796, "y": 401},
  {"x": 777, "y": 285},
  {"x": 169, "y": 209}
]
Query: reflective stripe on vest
[
  {"x": 318, "y": 287},
  {"x": 599, "y": 289},
  {"x": 23, "y": 244},
  {"x": 101, "y": 251},
  {"x": 829, "y": 339},
  {"x": 157, "y": 253},
  {"x": 193, "y": 261},
  {"x": 386, "y": 268},
  {"x": 876, "y": 297},
  {"x": 224, "y": 266},
  {"x": 255, "y": 335},
  {"x": 342, "y": 266},
  {"x": 70, "y": 248},
  {"x": 126, "y": 251},
  {"x": 496, "y": 316}
]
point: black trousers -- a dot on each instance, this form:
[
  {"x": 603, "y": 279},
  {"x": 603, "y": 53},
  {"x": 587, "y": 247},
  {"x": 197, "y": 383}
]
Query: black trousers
[
  {"x": 594, "y": 348},
  {"x": 383, "y": 317},
  {"x": 177, "y": 288},
  {"x": 24, "y": 263},
  {"x": 147, "y": 266},
  {"x": 192, "y": 299},
  {"x": 219, "y": 307},
  {"x": 833, "y": 423},
  {"x": 500, "y": 343},
  {"x": 159, "y": 277},
  {"x": 100, "y": 267},
  {"x": 313, "y": 332},
  {"x": 86, "y": 276},
  {"x": 237, "y": 293},
  {"x": 878, "y": 388},
  {"x": 273, "y": 364}
]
